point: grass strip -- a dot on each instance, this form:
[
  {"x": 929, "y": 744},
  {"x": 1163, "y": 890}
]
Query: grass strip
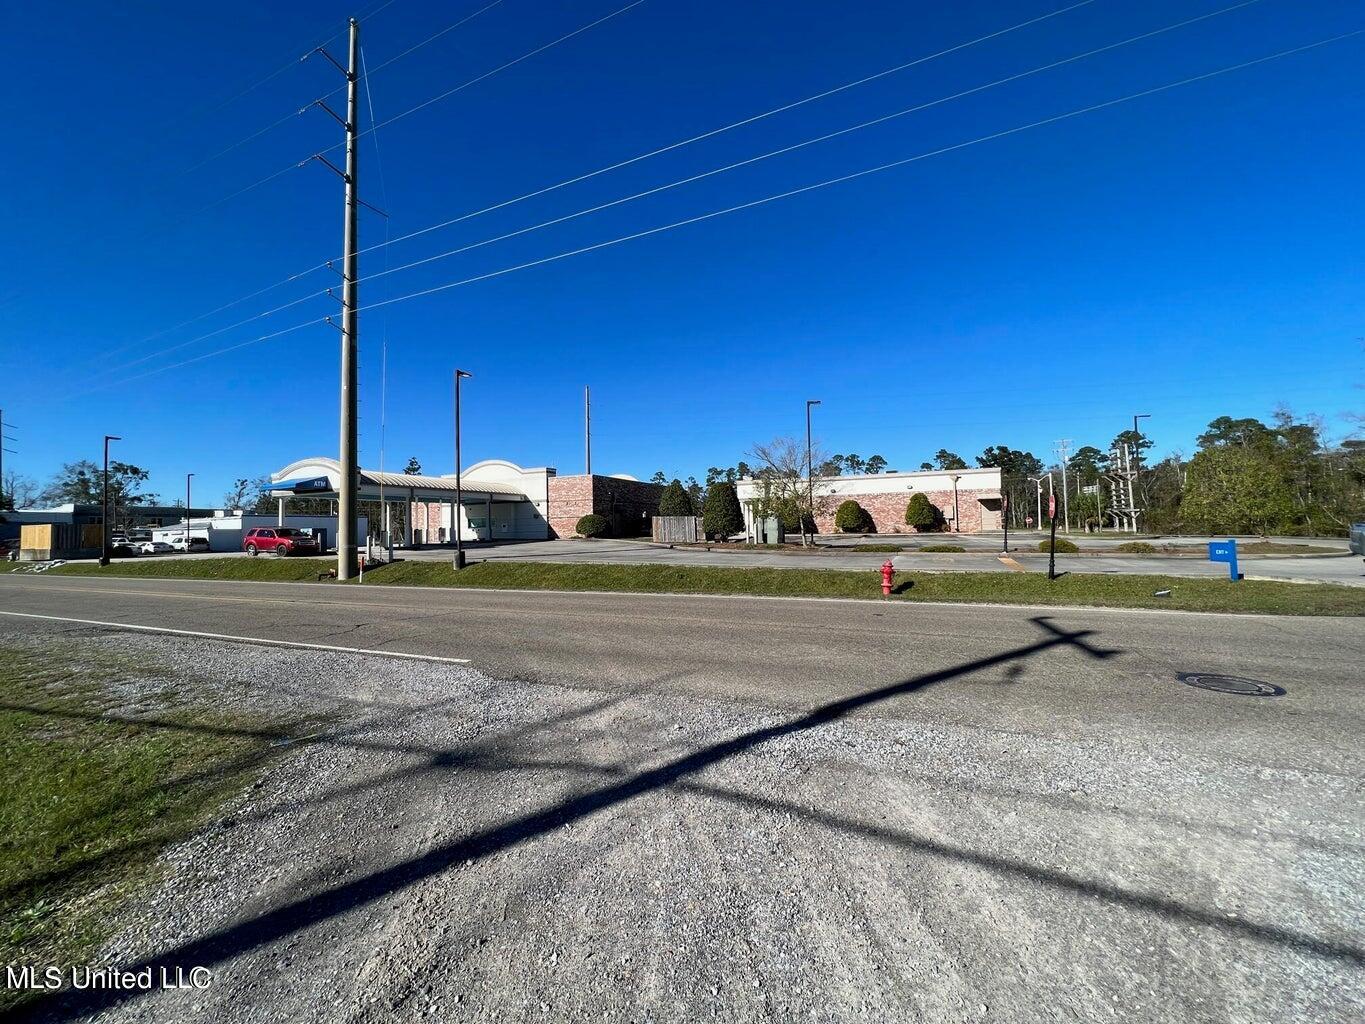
[
  {"x": 263, "y": 567},
  {"x": 1108, "y": 590},
  {"x": 89, "y": 798}
]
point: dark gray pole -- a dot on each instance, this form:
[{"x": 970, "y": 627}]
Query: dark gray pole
[
  {"x": 810, "y": 475},
  {"x": 187, "y": 512},
  {"x": 587, "y": 435},
  {"x": 346, "y": 503},
  {"x": 459, "y": 492},
  {"x": 104, "y": 503}
]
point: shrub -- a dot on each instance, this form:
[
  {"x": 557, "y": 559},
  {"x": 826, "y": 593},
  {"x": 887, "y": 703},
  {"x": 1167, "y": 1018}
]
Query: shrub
[
  {"x": 1062, "y": 545},
  {"x": 922, "y": 513},
  {"x": 722, "y": 515},
  {"x": 592, "y": 525},
  {"x": 675, "y": 501},
  {"x": 946, "y": 548},
  {"x": 1136, "y": 547},
  {"x": 792, "y": 517},
  {"x": 850, "y": 517}
]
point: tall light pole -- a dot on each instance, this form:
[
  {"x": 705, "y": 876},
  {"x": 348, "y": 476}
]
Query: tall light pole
[
  {"x": 104, "y": 503},
  {"x": 459, "y": 494},
  {"x": 810, "y": 475},
  {"x": 1038, "y": 483},
  {"x": 187, "y": 512}
]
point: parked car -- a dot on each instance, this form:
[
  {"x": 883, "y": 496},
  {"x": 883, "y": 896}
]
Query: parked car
[
  {"x": 9, "y": 549},
  {"x": 122, "y": 549},
  {"x": 280, "y": 540},
  {"x": 193, "y": 544},
  {"x": 154, "y": 547}
]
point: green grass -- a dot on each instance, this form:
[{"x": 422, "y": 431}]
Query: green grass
[
  {"x": 944, "y": 548},
  {"x": 263, "y": 567},
  {"x": 1117, "y": 591},
  {"x": 87, "y": 801},
  {"x": 879, "y": 547}
]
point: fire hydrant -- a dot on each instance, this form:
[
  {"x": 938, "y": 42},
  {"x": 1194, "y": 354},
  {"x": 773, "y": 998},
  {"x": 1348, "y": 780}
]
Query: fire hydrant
[{"x": 888, "y": 573}]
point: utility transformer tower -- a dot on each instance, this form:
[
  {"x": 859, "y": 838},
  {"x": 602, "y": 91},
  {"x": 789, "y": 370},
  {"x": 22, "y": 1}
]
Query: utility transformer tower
[{"x": 1122, "y": 472}]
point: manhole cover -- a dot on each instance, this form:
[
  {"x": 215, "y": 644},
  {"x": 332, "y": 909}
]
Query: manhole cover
[{"x": 1231, "y": 684}]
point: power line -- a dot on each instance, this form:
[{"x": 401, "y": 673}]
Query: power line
[
  {"x": 302, "y": 110},
  {"x": 285, "y": 170},
  {"x": 1005, "y": 133},
  {"x": 696, "y": 177}
]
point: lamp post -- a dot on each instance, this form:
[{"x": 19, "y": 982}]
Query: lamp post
[
  {"x": 104, "y": 503},
  {"x": 1038, "y": 483},
  {"x": 458, "y": 512},
  {"x": 187, "y": 512},
  {"x": 810, "y": 475}
]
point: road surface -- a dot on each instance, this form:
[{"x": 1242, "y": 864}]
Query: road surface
[{"x": 626, "y": 807}]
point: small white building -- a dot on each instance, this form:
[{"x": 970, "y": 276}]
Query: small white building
[{"x": 225, "y": 530}]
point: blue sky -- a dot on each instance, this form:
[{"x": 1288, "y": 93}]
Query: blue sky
[{"x": 1189, "y": 254}]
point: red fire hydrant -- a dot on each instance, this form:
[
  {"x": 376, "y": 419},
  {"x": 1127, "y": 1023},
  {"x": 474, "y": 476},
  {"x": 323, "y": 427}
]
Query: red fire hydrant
[{"x": 888, "y": 572}]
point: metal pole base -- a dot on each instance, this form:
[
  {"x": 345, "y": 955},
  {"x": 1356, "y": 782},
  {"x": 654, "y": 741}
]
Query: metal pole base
[{"x": 459, "y": 560}]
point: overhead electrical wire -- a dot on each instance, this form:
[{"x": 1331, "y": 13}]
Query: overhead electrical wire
[
  {"x": 285, "y": 170},
  {"x": 623, "y": 163},
  {"x": 711, "y": 215},
  {"x": 303, "y": 110},
  {"x": 707, "y": 174}
]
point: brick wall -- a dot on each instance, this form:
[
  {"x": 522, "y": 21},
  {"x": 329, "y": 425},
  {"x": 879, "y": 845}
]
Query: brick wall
[
  {"x": 626, "y": 502},
  {"x": 888, "y": 510}
]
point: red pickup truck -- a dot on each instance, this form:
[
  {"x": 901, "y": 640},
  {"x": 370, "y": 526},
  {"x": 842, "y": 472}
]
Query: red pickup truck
[{"x": 282, "y": 540}]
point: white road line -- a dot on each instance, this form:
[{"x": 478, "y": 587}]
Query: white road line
[{"x": 245, "y": 639}]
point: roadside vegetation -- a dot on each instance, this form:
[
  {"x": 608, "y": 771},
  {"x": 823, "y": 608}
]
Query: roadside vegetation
[
  {"x": 263, "y": 567},
  {"x": 89, "y": 796},
  {"x": 1116, "y": 591}
]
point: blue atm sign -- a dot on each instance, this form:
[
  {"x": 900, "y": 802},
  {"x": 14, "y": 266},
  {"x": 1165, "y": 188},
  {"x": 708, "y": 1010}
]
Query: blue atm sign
[
  {"x": 318, "y": 483},
  {"x": 1225, "y": 551}
]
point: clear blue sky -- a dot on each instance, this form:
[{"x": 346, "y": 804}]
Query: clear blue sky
[{"x": 1190, "y": 254}]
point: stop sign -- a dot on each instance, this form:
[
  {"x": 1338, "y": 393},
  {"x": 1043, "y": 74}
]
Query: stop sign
[{"x": 1052, "y": 506}]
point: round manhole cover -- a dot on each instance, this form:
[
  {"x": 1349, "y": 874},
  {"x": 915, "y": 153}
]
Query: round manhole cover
[{"x": 1231, "y": 684}]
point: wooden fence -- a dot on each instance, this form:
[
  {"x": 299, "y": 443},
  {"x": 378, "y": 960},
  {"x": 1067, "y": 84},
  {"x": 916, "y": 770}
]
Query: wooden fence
[{"x": 677, "y": 529}]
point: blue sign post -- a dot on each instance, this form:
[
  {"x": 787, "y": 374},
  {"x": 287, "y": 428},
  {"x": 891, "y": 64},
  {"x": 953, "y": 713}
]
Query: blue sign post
[{"x": 1225, "y": 551}]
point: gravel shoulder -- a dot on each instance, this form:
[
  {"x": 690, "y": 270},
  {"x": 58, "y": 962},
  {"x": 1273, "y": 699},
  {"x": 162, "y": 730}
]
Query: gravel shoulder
[{"x": 456, "y": 847}]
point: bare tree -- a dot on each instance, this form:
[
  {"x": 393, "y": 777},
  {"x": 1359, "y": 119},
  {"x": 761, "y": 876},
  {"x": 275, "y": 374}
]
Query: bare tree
[
  {"x": 785, "y": 488},
  {"x": 18, "y": 491}
]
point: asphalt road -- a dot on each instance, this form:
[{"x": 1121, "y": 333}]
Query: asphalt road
[{"x": 765, "y": 809}]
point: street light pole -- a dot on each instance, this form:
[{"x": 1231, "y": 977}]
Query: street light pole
[
  {"x": 1038, "y": 485},
  {"x": 104, "y": 503},
  {"x": 810, "y": 475},
  {"x": 458, "y": 512},
  {"x": 187, "y": 512}
]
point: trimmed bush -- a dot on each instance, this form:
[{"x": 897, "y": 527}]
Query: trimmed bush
[
  {"x": 592, "y": 525},
  {"x": 721, "y": 515},
  {"x": 675, "y": 501},
  {"x": 956, "y": 549},
  {"x": 850, "y": 517},
  {"x": 1062, "y": 545},
  {"x": 1136, "y": 547},
  {"x": 922, "y": 513}
]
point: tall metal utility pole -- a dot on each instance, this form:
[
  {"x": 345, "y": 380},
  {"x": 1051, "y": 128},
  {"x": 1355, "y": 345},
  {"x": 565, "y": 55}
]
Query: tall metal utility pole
[
  {"x": 350, "y": 304},
  {"x": 1063, "y": 451},
  {"x": 104, "y": 503},
  {"x": 587, "y": 430}
]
